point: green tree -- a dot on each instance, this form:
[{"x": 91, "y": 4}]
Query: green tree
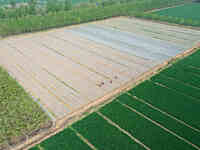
[
  {"x": 68, "y": 5},
  {"x": 13, "y": 3},
  {"x": 108, "y": 2},
  {"x": 2, "y": 13},
  {"x": 32, "y": 6},
  {"x": 53, "y": 6},
  {"x": 182, "y": 21}
]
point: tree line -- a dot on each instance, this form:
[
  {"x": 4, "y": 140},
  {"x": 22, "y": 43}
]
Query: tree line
[
  {"x": 33, "y": 7},
  {"x": 32, "y": 23},
  {"x": 38, "y": 7}
]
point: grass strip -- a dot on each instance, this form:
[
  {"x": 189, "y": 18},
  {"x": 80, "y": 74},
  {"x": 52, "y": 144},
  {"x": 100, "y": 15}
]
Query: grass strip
[
  {"x": 148, "y": 133},
  {"x": 103, "y": 135},
  {"x": 66, "y": 139},
  {"x": 171, "y": 124},
  {"x": 176, "y": 104},
  {"x": 176, "y": 85}
]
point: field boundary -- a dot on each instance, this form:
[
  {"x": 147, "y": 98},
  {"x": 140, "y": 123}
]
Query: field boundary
[{"x": 62, "y": 123}]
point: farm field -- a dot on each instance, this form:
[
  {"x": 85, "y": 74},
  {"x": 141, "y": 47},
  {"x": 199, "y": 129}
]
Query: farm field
[
  {"x": 63, "y": 72},
  {"x": 186, "y": 11},
  {"x": 186, "y": 14},
  {"x": 152, "y": 116},
  {"x": 19, "y": 114},
  {"x": 61, "y": 141},
  {"x": 69, "y": 68}
]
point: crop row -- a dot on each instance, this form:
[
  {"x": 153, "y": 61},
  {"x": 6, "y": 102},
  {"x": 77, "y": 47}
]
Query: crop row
[
  {"x": 189, "y": 65},
  {"x": 192, "y": 60},
  {"x": 177, "y": 85},
  {"x": 191, "y": 69},
  {"x": 183, "y": 75},
  {"x": 176, "y": 104},
  {"x": 161, "y": 118},
  {"x": 103, "y": 135},
  {"x": 96, "y": 130},
  {"x": 142, "y": 129},
  {"x": 66, "y": 139}
]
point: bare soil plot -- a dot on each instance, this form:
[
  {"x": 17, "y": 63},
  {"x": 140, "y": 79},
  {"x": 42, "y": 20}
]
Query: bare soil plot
[{"x": 69, "y": 68}]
